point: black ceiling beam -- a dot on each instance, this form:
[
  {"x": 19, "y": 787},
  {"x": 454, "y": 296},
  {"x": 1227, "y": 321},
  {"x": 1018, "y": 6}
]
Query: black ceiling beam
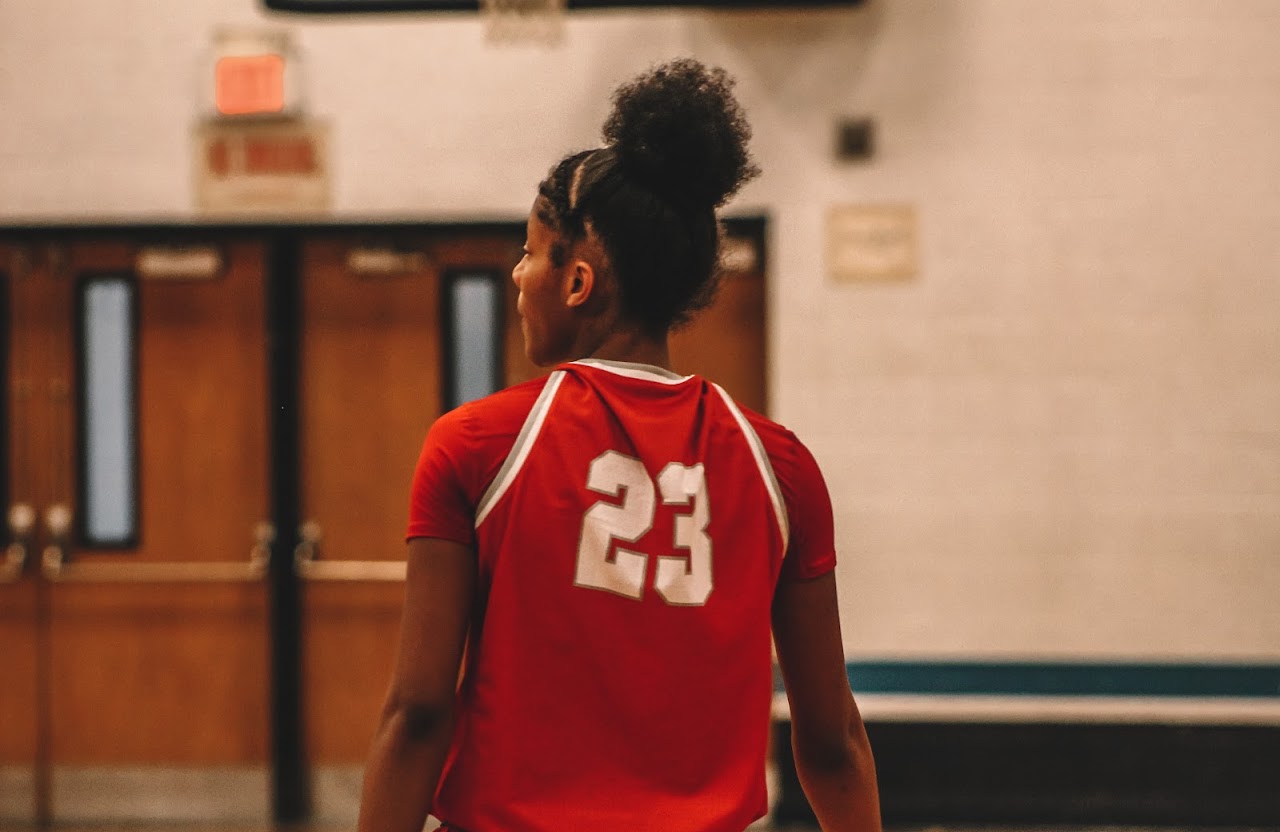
[{"x": 381, "y": 6}]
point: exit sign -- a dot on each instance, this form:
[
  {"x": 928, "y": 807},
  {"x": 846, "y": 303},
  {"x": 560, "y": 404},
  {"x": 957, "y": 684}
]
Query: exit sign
[
  {"x": 249, "y": 85},
  {"x": 253, "y": 72}
]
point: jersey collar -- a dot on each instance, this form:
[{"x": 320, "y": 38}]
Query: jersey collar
[{"x": 644, "y": 372}]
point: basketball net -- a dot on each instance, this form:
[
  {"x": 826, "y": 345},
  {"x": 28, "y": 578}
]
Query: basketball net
[{"x": 523, "y": 22}]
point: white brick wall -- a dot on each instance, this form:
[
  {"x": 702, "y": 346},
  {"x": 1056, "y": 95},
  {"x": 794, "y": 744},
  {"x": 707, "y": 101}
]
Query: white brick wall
[{"x": 1060, "y": 440}]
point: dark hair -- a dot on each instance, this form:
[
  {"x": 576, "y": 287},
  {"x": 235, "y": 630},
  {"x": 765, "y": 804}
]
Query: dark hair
[{"x": 675, "y": 150}]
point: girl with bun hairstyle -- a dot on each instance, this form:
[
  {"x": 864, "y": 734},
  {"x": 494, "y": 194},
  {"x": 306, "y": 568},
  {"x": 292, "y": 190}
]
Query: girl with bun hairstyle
[{"x": 615, "y": 544}]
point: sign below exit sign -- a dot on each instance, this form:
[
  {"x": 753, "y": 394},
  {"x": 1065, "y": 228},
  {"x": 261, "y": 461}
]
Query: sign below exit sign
[{"x": 262, "y": 166}]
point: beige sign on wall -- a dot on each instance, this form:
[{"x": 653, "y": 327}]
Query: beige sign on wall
[
  {"x": 871, "y": 242},
  {"x": 250, "y": 166}
]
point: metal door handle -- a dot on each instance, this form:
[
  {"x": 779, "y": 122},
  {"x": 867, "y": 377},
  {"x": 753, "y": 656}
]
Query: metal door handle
[
  {"x": 55, "y": 567},
  {"x": 22, "y": 529},
  {"x": 309, "y": 567}
]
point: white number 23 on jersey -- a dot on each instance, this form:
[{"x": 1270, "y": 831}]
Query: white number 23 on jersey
[{"x": 680, "y": 581}]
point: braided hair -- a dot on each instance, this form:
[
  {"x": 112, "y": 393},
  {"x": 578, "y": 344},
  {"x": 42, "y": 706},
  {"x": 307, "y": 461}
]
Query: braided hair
[{"x": 675, "y": 150}]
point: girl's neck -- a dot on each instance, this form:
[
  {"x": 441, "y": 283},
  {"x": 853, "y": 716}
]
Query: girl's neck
[{"x": 633, "y": 347}]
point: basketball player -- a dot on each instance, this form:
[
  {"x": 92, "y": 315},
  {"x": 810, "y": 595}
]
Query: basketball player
[{"x": 615, "y": 543}]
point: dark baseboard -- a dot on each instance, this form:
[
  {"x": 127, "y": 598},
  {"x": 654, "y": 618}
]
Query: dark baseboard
[{"x": 1041, "y": 774}]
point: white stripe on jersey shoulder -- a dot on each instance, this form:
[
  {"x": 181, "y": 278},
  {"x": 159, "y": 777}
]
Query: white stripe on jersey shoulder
[
  {"x": 520, "y": 450},
  {"x": 762, "y": 462},
  {"x": 644, "y": 372}
]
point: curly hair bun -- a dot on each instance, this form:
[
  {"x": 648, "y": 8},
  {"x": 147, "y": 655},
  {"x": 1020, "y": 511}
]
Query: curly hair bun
[{"x": 678, "y": 131}]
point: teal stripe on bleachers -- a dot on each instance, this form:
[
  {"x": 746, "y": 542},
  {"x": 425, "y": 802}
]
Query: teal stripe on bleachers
[{"x": 959, "y": 678}]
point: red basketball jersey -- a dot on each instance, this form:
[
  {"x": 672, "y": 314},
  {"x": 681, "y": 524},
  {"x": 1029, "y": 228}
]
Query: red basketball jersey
[{"x": 630, "y": 527}]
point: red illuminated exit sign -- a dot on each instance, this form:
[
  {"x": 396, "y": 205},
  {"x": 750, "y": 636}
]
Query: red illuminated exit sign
[
  {"x": 256, "y": 72},
  {"x": 249, "y": 85}
]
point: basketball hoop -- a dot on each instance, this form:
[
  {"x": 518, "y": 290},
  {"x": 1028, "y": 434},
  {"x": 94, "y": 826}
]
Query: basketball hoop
[{"x": 523, "y": 22}]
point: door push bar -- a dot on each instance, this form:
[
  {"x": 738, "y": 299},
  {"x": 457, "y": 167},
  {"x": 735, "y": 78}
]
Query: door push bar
[
  {"x": 55, "y": 566},
  {"x": 22, "y": 528},
  {"x": 309, "y": 567}
]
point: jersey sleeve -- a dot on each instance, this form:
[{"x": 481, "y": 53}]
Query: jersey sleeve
[
  {"x": 811, "y": 550},
  {"x": 462, "y": 453},
  {"x": 439, "y": 502}
]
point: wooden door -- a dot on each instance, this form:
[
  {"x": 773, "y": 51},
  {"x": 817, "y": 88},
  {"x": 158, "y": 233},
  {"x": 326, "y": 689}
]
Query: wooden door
[
  {"x": 375, "y": 353},
  {"x": 127, "y": 671}
]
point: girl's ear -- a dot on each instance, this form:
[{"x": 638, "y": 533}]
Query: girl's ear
[{"x": 580, "y": 282}]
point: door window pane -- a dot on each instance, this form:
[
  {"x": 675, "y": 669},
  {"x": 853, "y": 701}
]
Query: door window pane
[
  {"x": 108, "y": 412},
  {"x": 474, "y": 306}
]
